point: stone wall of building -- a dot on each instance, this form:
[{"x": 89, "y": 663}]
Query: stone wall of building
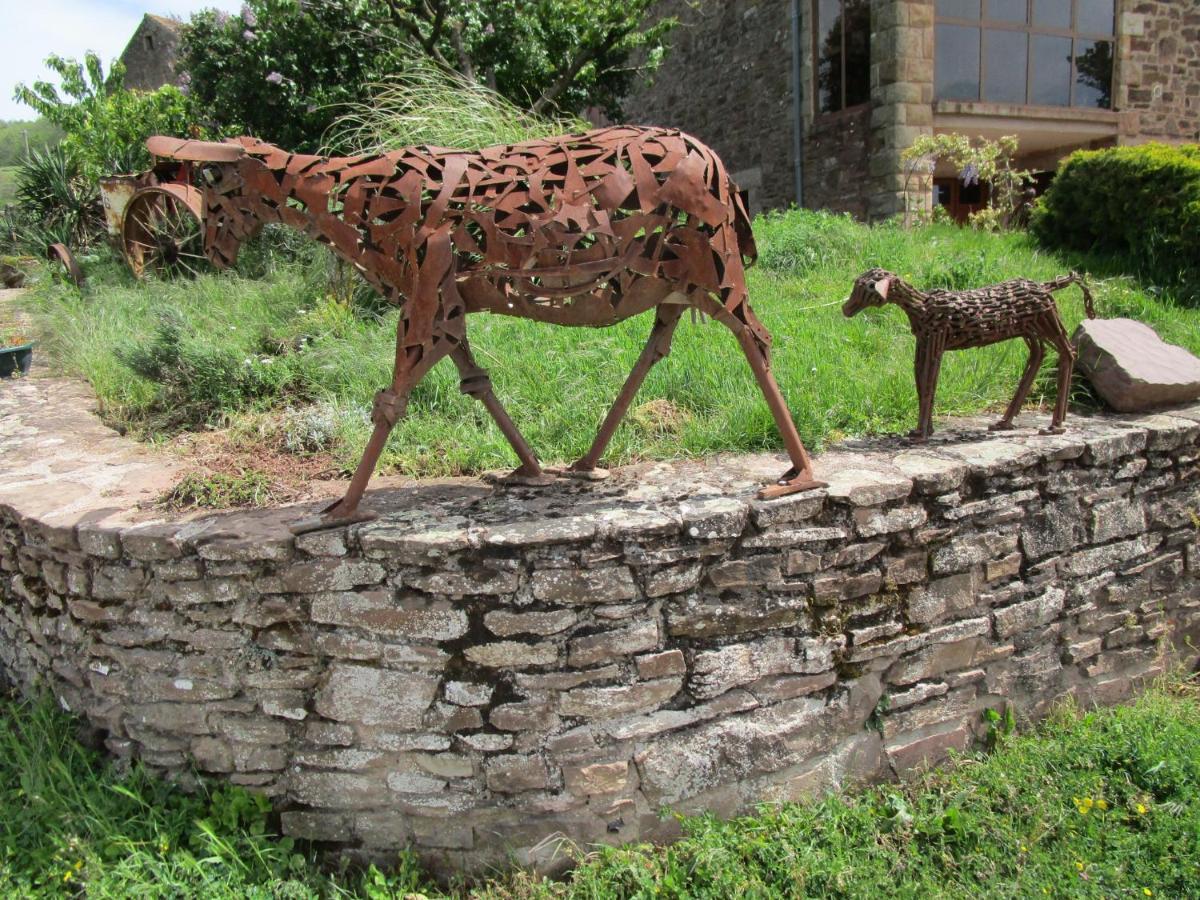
[
  {"x": 727, "y": 80},
  {"x": 150, "y": 55},
  {"x": 837, "y": 156},
  {"x": 482, "y": 669},
  {"x": 1159, "y": 69}
]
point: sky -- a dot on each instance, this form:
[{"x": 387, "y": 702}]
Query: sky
[{"x": 37, "y": 28}]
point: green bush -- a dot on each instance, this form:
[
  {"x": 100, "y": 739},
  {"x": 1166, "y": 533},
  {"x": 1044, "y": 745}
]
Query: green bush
[{"x": 1140, "y": 202}]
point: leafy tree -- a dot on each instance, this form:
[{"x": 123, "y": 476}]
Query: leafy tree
[
  {"x": 283, "y": 69},
  {"x": 105, "y": 124}
]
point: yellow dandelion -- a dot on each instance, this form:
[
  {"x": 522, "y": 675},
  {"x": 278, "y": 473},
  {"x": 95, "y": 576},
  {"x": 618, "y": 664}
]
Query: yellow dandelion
[
  {"x": 1148, "y": 892},
  {"x": 1141, "y": 809},
  {"x": 1084, "y": 805},
  {"x": 1079, "y": 865},
  {"x": 1102, "y": 803},
  {"x": 78, "y": 864},
  {"x": 1024, "y": 849}
]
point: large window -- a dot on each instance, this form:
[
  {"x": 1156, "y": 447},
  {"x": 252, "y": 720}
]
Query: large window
[
  {"x": 842, "y": 48},
  {"x": 1043, "y": 52}
]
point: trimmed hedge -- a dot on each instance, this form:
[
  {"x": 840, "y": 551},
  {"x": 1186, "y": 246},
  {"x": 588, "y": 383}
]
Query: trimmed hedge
[{"x": 1141, "y": 202}]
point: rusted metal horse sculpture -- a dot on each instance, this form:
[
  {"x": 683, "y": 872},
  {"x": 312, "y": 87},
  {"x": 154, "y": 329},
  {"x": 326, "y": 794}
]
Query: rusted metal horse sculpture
[
  {"x": 582, "y": 230},
  {"x": 944, "y": 320}
]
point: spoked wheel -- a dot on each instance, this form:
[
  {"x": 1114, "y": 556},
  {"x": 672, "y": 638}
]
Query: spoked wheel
[{"x": 163, "y": 232}]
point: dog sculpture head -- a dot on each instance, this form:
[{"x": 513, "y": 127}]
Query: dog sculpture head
[{"x": 870, "y": 289}]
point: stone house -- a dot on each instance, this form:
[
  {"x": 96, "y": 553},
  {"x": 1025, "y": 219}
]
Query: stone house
[
  {"x": 150, "y": 55},
  {"x": 872, "y": 75}
]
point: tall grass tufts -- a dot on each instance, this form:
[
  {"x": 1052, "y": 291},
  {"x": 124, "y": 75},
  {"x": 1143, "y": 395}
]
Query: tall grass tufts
[{"x": 428, "y": 104}]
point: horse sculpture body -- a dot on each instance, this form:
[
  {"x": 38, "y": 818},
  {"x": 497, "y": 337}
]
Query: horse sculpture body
[
  {"x": 945, "y": 320},
  {"x": 583, "y": 230}
]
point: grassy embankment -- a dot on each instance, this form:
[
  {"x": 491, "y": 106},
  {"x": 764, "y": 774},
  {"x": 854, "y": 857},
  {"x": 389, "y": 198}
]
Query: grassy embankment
[
  {"x": 223, "y": 350},
  {"x": 1098, "y": 804}
]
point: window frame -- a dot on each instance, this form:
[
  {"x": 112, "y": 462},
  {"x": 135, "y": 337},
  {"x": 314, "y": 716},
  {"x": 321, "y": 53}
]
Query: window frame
[
  {"x": 984, "y": 24},
  {"x": 815, "y": 7}
]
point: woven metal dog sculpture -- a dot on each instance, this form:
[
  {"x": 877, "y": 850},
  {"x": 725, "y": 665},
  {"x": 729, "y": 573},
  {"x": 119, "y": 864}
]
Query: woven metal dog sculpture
[
  {"x": 945, "y": 320},
  {"x": 583, "y": 230}
]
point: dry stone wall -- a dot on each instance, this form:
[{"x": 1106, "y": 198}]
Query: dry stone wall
[{"x": 481, "y": 671}]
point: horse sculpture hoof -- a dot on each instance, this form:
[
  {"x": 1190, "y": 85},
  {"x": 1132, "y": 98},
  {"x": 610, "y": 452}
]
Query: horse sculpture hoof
[
  {"x": 329, "y": 517},
  {"x": 791, "y": 482}
]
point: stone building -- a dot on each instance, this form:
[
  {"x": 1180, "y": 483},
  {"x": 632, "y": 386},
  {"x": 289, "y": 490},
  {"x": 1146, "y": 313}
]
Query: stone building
[
  {"x": 873, "y": 75},
  {"x": 150, "y": 55}
]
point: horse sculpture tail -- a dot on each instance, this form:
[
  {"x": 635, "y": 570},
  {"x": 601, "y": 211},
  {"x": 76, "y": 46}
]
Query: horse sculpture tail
[{"x": 1089, "y": 304}]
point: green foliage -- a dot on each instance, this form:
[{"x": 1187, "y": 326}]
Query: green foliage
[
  {"x": 219, "y": 490},
  {"x": 1088, "y": 804},
  {"x": 1140, "y": 202},
  {"x": 13, "y": 135},
  {"x": 429, "y": 104},
  {"x": 983, "y": 161},
  {"x": 284, "y": 70},
  {"x": 74, "y": 825},
  {"x": 55, "y": 203},
  {"x": 248, "y": 347},
  {"x": 105, "y": 125}
]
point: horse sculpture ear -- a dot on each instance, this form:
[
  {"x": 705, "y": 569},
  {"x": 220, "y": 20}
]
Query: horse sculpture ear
[{"x": 881, "y": 287}]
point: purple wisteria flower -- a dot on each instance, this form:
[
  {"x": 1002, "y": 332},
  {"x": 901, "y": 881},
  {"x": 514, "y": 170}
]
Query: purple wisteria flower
[
  {"x": 275, "y": 78},
  {"x": 248, "y": 35},
  {"x": 969, "y": 175},
  {"x": 221, "y": 17},
  {"x": 248, "y": 16}
]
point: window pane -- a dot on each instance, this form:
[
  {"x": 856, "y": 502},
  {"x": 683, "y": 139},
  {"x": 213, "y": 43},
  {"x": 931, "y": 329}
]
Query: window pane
[
  {"x": 1050, "y": 83},
  {"x": 858, "y": 51},
  {"x": 1096, "y": 17},
  {"x": 1052, "y": 13},
  {"x": 829, "y": 55},
  {"x": 958, "y": 9},
  {"x": 956, "y": 62},
  {"x": 1004, "y": 55},
  {"x": 1007, "y": 10},
  {"x": 1093, "y": 73}
]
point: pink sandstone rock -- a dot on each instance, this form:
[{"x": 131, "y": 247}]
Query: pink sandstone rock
[{"x": 1134, "y": 369}]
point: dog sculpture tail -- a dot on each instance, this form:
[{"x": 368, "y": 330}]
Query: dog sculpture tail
[{"x": 1089, "y": 304}]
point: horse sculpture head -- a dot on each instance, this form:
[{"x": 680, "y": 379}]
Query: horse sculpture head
[{"x": 870, "y": 289}]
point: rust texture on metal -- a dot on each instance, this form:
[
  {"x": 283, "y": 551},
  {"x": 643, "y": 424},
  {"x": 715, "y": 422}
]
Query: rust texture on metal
[
  {"x": 581, "y": 230},
  {"x": 63, "y": 255},
  {"x": 958, "y": 320}
]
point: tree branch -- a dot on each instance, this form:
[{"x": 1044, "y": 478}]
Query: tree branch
[{"x": 584, "y": 56}]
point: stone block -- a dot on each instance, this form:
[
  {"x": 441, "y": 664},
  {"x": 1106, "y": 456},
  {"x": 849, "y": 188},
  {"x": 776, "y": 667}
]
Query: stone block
[
  {"x": 514, "y": 774},
  {"x": 673, "y": 579},
  {"x": 872, "y": 522},
  {"x": 354, "y": 693},
  {"x": 908, "y": 752},
  {"x": 943, "y": 597},
  {"x": 596, "y": 779},
  {"x": 601, "y": 585},
  {"x": 1031, "y": 613},
  {"x": 746, "y": 573},
  {"x": 660, "y": 665},
  {"x": 506, "y": 624},
  {"x": 383, "y": 612},
  {"x": 606, "y": 646},
  {"x": 867, "y": 487},
  {"x": 512, "y": 654},
  {"x": 1132, "y": 368},
  {"x": 330, "y": 575},
  {"x": 609, "y": 702},
  {"x": 1117, "y": 519},
  {"x": 469, "y": 583}
]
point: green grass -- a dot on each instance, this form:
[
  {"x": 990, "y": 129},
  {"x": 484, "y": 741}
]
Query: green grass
[
  {"x": 1090, "y": 804},
  {"x": 8, "y": 185},
  {"x": 224, "y": 348}
]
